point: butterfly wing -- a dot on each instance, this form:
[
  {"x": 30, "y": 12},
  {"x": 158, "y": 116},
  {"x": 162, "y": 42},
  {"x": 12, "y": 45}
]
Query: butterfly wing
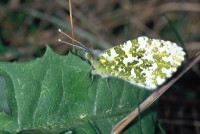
[{"x": 143, "y": 61}]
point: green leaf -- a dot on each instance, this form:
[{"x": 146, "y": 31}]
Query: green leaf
[{"x": 59, "y": 94}]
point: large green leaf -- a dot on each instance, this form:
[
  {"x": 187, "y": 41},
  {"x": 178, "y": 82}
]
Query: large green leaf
[{"x": 58, "y": 93}]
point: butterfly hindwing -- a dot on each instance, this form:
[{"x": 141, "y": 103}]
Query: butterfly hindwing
[{"x": 142, "y": 61}]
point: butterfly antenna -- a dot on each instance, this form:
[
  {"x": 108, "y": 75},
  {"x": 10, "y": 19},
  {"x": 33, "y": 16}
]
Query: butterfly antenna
[
  {"x": 81, "y": 45},
  {"x": 82, "y": 48}
]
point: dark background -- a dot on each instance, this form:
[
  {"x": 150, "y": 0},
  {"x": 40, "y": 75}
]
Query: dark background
[{"x": 27, "y": 26}]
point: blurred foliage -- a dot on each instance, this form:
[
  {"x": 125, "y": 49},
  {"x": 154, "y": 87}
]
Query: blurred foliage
[{"x": 27, "y": 26}]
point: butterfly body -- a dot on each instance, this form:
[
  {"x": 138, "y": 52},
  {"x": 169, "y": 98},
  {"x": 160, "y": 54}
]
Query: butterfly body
[{"x": 143, "y": 61}]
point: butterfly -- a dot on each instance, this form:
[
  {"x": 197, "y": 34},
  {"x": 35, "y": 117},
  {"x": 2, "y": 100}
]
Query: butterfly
[{"x": 143, "y": 61}]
